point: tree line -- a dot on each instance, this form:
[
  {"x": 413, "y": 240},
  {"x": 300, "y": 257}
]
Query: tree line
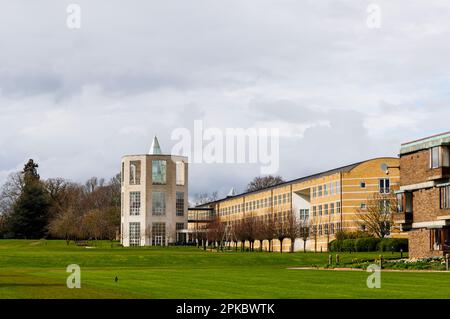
[
  {"x": 32, "y": 208},
  {"x": 245, "y": 232}
]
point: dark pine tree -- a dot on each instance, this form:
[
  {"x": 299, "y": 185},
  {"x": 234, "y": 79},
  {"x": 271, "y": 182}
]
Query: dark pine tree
[{"x": 29, "y": 218}]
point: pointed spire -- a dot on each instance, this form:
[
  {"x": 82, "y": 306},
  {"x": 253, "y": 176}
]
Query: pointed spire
[
  {"x": 232, "y": 192},
  {"x": 155, "y": 149}
]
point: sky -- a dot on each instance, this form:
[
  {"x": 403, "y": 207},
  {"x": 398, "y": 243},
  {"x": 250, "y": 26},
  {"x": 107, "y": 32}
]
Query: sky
[{"x": 339, "y": 91}]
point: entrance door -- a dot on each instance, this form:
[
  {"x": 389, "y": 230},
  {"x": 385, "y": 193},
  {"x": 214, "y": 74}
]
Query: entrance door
[{"x": 158, "y": 240}]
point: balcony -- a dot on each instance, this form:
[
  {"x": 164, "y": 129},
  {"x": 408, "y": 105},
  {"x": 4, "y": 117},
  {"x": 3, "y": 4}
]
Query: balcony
[
  {"x": 404, "y": 219},
  {"x": 439, "y": 173}
]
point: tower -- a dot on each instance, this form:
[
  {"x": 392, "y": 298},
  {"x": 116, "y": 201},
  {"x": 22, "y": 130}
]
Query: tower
[{"x": 154, "y": 198}]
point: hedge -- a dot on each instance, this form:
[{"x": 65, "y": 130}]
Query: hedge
[{"x": 368, "y": 244}]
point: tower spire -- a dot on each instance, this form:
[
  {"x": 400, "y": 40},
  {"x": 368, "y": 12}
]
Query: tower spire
[{"x": 155, "y": 149}]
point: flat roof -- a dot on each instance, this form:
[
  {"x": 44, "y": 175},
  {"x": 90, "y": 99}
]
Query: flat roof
[
  {"x": 425, "y": 143},
  {"x": 342, "y": 169}
]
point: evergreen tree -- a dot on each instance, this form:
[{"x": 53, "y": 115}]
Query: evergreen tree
[{"x": 29, "y": 218}]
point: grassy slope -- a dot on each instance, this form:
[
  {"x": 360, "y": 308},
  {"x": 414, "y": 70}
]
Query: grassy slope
[{"x": 36, "y": 269}]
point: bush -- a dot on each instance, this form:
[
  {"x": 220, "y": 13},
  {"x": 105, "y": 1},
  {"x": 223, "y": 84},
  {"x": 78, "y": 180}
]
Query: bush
[
  {"x": 366, "y": 244},
  {"x": 335, "y": 245},
  {"x": 393, "y": 244}
]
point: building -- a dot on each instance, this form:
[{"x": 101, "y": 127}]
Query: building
[
  {"x": 424, "y": 195},
  {"x": 154, "y": 198},
  {"x": 330, "y": 200}
]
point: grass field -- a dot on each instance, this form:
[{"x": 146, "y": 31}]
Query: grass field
[{"x": 37, "y": 269}]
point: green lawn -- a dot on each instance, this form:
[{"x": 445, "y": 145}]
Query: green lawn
[{"x": 36, "y": 269}]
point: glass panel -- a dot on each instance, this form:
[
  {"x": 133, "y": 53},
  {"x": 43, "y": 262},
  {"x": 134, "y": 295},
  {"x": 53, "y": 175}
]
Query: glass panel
[
  {"x": 158, "y": 203},
  {"x": 135, "y": 203},
  {"x": 180, "y": 173},
  {"x": 159, "y": 171}
]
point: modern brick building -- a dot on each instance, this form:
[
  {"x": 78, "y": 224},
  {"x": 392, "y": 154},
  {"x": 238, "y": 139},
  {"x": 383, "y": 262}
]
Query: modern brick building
[
  {"x": 330, "y": 200},
  {"x": 154, "y": 198},
  {"x": 424, "y": 195}
]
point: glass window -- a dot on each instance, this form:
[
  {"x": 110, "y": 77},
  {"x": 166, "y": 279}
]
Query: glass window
[
  {"x": 338, "y": 187},
  {"x": 159, "y": 171},
  {"x": 384, "y": 185},
  {"x": 331, "y": 208},
  {"x": 338, "y": 207},
  {"x": 320, "y": 210},
  {"x": 434, "y": 157},
  {"x": 445, "y": 197},
  {"x": 363, "y": 184},
  {"x": 325, "y": 190},
  {"x": 325, "y": 208},
  {"x": 319, "y": 191},
  {"x": 180, "y": 173},
  {"x": 314, "y": 211},
  {"x": 158, "y": 234},
  {"x": 180, "y": 204},
  {"x": 158, "y": 203},
  {"x": 135, "y": 234},
  {"x": 135, "y": 172},
  {"x": 135, "y": 203}
]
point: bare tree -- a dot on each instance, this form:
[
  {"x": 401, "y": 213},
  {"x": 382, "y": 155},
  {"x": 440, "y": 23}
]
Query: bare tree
[
  {"x": 292, "y": 227},
  {"x": 280, "y": 229},
  {"x": 376, "y": 217},
  {"x": 304, "y": 231},
  {"x": 261, "y": 182},
  {"x": 11, "y": 191},
  {"x": 203, "y": 198}
]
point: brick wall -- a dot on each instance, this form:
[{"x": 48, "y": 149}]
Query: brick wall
[
  {"x": 415, "y": 168},
  {"x": 419, "y": 244}
]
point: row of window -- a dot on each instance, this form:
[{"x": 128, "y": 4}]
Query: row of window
[
  {"x": 439, "y": 157},
  {"x": 158, "y": 233},
  {"x": 328, "y": 189},
  {"x": 326, "y": 229},
  {"x": 158, "y": 203},
  {"x": 326, "y": 209},
  {"x": 256, "y": 204},
  {"x": 159, "y": 172}
]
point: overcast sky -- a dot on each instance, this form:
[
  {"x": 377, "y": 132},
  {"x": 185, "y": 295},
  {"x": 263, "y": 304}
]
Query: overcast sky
[{"x": 340, "y": 92}]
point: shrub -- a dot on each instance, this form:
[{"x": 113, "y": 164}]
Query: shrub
[
  {"x": 393, "y": 244},
  {"x": 335, "y": 245},
  {"x": 348, "y": 245},
  {"x": 366, "y": 244}
]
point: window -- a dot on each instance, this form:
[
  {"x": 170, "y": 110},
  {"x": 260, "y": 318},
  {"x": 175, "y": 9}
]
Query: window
[
  {"x": 180, "y": 204},
  {"x": 180, "y": 173},
  {"x": 320, "y": 191},
  {"x": 284, "y": 198},
  {"x": 159, "y": 172},
  {"x": 320, "y": 230},
  {"x": 385, "y": 206},
  {"x": 434, "y": 157},
  {"x": 338, "y": 187},
  {"x": 338, "y": 207},
  {"x": 320, "y": 210},
  {"x": 121, "y": 204},
  {"x": 122, "y": 173},
  {"x": 135, "y": 203},
  {"x": 304, "y": 214},
  {"x": 158, "y": 234},
  {"x": 363, "y": 184},
  {"x": 314, "y": 192},
  {"x": 331, "y": 208},
  {"x": 363, "y": 206},
  {"x": 325, "y": 190},
  {"x": 314, "y": 211},
  {"x": 325, "y": 209},
  {"x": 135, "y": 172},
  {"x": 135, "y": 234},
  {"x": 325, "y": 228},
  {"x": 332, "y": 229},
  {"x": 331, "y": 189},
  {"x": 445, "y": 197},
  {"x": 181, "y": 237},
  {"x": 158, "y": 203},
  {"x": 400, "y": 197},
  {"x": 384, "y": 185}
]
